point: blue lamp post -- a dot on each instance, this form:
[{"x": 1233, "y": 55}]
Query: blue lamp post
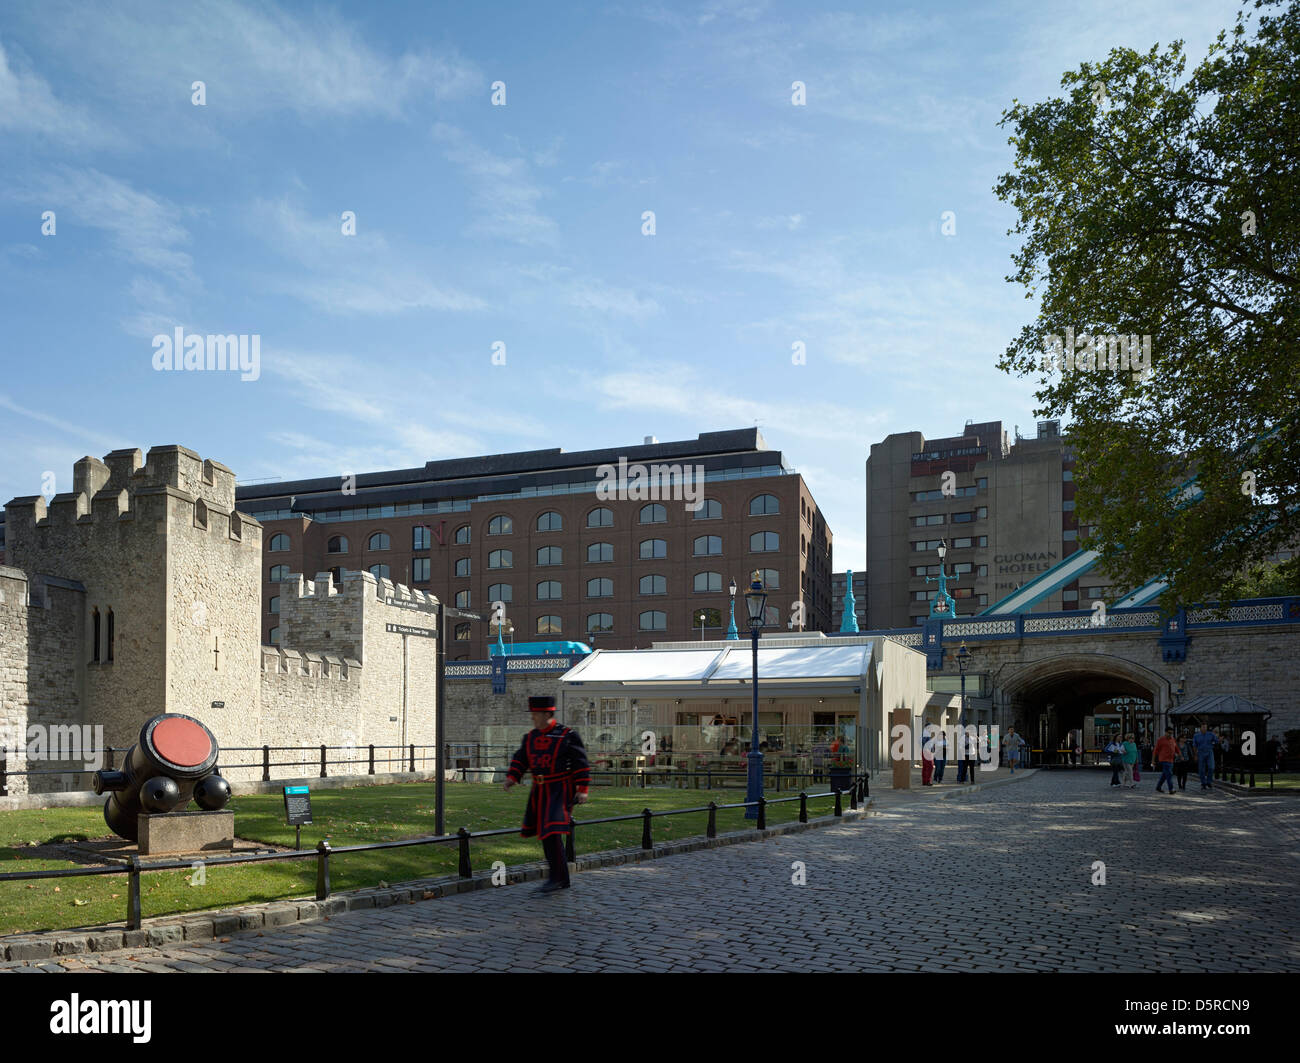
[
  {"x": 756, "y": 601},
  {"x": 732, "y": 632},
  {"x": 943, "y": 604}
]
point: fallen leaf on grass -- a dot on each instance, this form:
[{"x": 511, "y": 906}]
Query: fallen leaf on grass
[
  {"x": 115, "y": 896},
  {"x": 57, "y": 889},
  {"x": 78, "y": 903}
]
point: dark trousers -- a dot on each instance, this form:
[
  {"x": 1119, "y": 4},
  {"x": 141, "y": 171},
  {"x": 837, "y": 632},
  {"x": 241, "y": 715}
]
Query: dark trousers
[
  {"x": 969, "y": 765},
  {"x": 939, "y": 763},
  {"x": 1180, "y": 770},
  {"x": 1166, "y": 775},
  {"x": 1114, "y": 775},
  {"x": 553, "y": 847}
]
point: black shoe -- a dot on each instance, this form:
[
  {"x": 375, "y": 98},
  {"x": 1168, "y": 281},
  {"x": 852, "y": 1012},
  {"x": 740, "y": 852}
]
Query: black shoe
[{"x": 551, "y": 886}]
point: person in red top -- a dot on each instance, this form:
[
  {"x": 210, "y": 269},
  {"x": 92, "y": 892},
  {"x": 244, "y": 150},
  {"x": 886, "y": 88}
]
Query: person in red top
[
  {"x": 1166, "y": 752},
  {"x": 561, "y": 775}
]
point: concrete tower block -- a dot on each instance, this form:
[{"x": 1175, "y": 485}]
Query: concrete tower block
[
  {"x": 122, "y": 465},
  {"x": 89, "y": 476}
]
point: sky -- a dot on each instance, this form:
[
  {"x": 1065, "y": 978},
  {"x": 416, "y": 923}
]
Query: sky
[{"x": 501, "y": 290}]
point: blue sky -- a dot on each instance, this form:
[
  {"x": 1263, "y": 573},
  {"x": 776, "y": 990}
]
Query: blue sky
[{"x": 520, "y": 224}]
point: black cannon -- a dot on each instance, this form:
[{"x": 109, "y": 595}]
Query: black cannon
[{"x": 172, "y": 762}]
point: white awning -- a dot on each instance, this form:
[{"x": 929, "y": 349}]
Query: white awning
[{"x": 731, "y": 663}]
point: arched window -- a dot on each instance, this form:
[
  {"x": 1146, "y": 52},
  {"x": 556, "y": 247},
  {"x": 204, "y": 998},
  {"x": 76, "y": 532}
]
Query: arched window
[
  {"x": 462, "y": 535},
  {"x": 462, "y": 599},
  {"x": 708, "y": 581},
  {"x": 338, "y": 544},
  {"x": 548, "y": 590},
  {"x": 600, "y": 588},
  {"x": 463, "y": 567},
  {"x": 462, "y": 633},
  {"x": 652, "y": 548},
  {"x": 600, "y": 517},
  {"x": 597, "y": 552},
  {"x": 772, "y": 617},
  {"x": 771, "y": 578},
  {"x": 274, "y": 607},
  {"x": 379, "y": 541},
  {"x": 707, "y": 544},
  {"x": 501, "y": 559},
  {"x": 501, "y": 526},
  {"x": 653, "y": 620},
  {"x": 380, "y": 572},
  {"x": 548, "y": 625},
  {"x": 501, "y": 592},
  {"x": 274, "y": 636},
  {"x": 762, "y": 542},
  {"x": 279, "y": 543},
  {"x": 762, "y": 505},
  {"x": 279, "y": 573},
  {"x": 710, "y": 510},
  {"x": 550, "y": 521},
  {"x": 550, "y": 555},
  {"x": 653, "y": 514},
  {"x": 600, "y": 621},
  {"x": 653, "y": 584}
]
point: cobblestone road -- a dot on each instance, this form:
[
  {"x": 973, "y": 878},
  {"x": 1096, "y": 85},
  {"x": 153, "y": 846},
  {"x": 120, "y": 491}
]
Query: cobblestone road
[{"x": 999, "y": 880}]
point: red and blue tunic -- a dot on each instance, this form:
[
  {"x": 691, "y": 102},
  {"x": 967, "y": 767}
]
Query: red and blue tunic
[{"x": 558, "y": 761}]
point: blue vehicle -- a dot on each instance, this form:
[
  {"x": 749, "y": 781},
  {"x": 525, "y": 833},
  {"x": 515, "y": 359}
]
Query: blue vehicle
[{"x": 539, "y": 649}]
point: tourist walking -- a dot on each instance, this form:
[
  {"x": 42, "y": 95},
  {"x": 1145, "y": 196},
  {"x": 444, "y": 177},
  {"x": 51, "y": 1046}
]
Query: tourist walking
[
  {"x": 1184, "y": 762},
  {"x": 1166, "y": 753},
  {"x": 940, "y": 753},
  {"x": 1205, "y": 743},
  {"x": 556, "y": 757},
  {"x": 1130, "y": 759},
  {"x": 970, "y": 751},
  {"x": 1012, "y": 743},
  {"x": 927, "y": 757},
  {"x": 1115, "y": 751}
]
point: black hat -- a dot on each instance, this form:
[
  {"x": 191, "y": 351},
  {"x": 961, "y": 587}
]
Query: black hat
[{"x": 542, "y": 703}]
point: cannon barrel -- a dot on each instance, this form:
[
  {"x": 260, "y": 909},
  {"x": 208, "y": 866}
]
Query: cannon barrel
[{"x": 172, "y": 746}]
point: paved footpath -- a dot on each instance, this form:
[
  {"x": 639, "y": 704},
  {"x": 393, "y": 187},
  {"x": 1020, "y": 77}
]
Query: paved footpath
[{"x": 996, "y": 880}]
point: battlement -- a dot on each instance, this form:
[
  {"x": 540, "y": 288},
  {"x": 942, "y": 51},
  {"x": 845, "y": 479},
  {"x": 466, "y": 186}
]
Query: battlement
[
  {"x": 278, "y": 660},
  {"x": 355, "y": 585}
]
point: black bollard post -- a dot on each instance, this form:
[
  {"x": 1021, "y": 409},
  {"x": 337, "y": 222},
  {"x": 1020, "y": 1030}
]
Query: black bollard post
[
  {"x": 839, "y": 807},
  {"x": 465, "y": 870},
  {"x": 322, "y": 762},
  {"x": 372, "y": 759},
  {"x": 711, "y": 831},
  {"x": 762, "y": 813},
  {"x": 4, "y": 772},
  {"x": 853, "y": 795},
  {"x": 266, "y": 764},
  {"x": 803, "y": 806},
  {"x": 647, "y": 840},
  {"x": 133, "y": 895},
  {"x": 322, "y": 870}
]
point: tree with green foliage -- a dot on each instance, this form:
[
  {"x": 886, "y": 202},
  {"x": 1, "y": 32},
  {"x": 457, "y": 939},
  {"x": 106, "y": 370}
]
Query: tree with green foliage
[{"x": 1156, "y": 205}]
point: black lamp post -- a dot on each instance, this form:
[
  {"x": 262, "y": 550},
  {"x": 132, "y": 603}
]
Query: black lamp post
[
  {"x": 756, "y": 601},
  {"x": 962, "y": 657}
]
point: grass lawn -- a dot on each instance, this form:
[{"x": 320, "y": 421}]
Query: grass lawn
[{"x": 353, "y": 816}]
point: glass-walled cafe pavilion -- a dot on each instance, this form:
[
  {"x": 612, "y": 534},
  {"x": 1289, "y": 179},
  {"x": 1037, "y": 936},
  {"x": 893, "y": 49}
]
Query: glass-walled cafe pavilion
[{"x": 816, "y": 694}]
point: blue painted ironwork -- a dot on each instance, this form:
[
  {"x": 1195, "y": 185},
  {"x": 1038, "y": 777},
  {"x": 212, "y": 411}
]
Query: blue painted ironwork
[{"x": 849, "y": 621}]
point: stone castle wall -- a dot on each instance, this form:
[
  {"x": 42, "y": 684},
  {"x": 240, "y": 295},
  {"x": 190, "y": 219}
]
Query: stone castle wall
[{"x": 41, "y": 682}]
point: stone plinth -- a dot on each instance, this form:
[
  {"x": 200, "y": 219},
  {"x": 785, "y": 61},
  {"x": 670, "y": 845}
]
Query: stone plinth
[{"x": 186, "y": 832}]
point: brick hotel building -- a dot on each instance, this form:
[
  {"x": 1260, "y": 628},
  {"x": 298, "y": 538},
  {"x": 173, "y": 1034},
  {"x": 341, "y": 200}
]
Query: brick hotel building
[{"x": 528, "y": 529}]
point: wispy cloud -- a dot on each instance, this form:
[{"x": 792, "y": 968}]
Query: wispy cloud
[
  {"x": 501, "y": 188},
  {"x": 28, "y": 106}
]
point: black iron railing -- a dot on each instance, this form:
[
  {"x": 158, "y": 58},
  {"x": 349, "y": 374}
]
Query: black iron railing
[{"x": 858, "y": 791}]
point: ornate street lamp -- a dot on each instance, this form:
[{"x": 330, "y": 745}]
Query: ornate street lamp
[
  {"x": 756, "y": 602},
  {"x": 732, "y": 632},
  {"x": 702, "y": 619},
  {"x": 943, "y": 604}
]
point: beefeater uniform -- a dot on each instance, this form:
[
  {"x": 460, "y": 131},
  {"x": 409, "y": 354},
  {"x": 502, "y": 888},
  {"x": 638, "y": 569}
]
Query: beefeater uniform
[{"x": 558, "y": 761}]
